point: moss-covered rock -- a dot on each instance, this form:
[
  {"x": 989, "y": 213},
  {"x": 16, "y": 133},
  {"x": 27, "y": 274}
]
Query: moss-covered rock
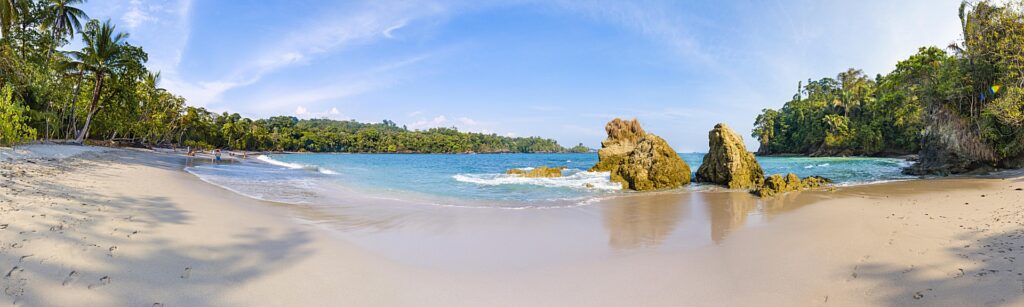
[
  {"x": 777, "y": 184},
  {"x": 728, "y": 162},
  {"x": 638, "y": 160},
  {"x": 539, "y": 172}
]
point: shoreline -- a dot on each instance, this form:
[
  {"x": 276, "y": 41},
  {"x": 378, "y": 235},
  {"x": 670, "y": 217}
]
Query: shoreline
[{"x": 182, "y": 241}]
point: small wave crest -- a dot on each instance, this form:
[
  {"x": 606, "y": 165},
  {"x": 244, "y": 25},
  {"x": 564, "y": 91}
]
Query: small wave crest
[
  {"x": 819, "y": 165},
  {"x": 315, "y": 168},
  {"x": 579, "y": 179}
]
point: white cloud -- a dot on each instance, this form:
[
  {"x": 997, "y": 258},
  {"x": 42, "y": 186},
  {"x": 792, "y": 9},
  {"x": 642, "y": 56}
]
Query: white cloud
[
  {"x": 437, "y": 121},
  {"x": 333, "y": 113},
  {"x": 332, "y": 31},
  {"x": 468, "y": 121},
  {"x": 136, "y": 14},
  {"x": 389, "y": 32}
]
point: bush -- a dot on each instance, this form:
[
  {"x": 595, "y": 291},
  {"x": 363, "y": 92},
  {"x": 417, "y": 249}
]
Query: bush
[{"x": 14, "y": 126}]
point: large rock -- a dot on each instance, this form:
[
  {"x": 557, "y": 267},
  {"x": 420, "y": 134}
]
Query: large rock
[
  {"x": 776, "y": 184},
  {"x": 728, "y": 162},
  {"x": 638, "y": 160}
]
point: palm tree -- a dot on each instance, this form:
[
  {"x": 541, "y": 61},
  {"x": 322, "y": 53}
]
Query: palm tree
[
  {"x": 99, "y": 56},
  {"x": 854, "y": 83},
  {"x": 62, "y": 20},
  {"x": 71, "y": 68}
]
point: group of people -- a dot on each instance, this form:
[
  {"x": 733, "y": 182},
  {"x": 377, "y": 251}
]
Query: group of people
[{"x": 216, "y": 154}]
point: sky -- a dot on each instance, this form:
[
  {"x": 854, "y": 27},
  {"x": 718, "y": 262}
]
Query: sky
[{"x": 556, "y": 69}]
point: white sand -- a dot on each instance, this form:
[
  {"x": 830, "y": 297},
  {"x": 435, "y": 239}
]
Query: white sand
[
  {"x": 46, "y": 151},
  {"x": 126, "y": 227}
]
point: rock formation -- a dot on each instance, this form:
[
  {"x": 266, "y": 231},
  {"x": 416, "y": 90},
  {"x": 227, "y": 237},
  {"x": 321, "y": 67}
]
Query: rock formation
[
  {"x": 640, "y": 160},
  {"x": 728, "y": 162},
  {"x": 950, "y": 146},
  {"x": 776, "y": 184},
  {"x": 539, "y": 172}
]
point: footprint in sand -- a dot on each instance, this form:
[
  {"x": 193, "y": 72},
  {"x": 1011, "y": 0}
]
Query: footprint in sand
[
  {"x": 920, "y": 294},
  {"x": 15, "y": 285},
  {"x": 187, "y": 273},
  {"x": 105, "y": 280},
  {"x": 111, "y": 249},
  {"x": 72, "y": 278},
  {"x": 14, "y": 272},
  {"x": 158, "y": 304}
]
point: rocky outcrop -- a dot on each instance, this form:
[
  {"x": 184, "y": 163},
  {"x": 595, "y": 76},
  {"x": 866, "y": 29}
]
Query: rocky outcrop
[
  {"x": 639, "y": 160},
  {"x": 539, "y": 172},
  {"x": 777, "y": 184},
  {"x": 728, "y": 162},
  {"x": 950, "y": 146}
]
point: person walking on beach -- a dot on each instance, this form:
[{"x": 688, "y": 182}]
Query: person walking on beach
[{"x": 216, "y": 154}]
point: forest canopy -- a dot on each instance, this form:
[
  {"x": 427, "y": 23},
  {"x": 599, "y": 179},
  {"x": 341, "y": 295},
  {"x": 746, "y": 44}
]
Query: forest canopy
[
  {"x": 957, "y": 106},
  {"x": 105, "y": 92}
]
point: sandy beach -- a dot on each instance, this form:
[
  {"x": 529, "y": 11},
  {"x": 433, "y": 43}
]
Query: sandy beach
[{"x": 96, "y": 226}]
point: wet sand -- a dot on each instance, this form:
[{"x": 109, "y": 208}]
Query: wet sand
[{"x": 129, "y": 227}]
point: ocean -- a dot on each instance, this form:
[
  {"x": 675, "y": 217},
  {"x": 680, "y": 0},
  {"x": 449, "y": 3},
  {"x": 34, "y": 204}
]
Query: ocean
[{"x": 478, "y": 181}]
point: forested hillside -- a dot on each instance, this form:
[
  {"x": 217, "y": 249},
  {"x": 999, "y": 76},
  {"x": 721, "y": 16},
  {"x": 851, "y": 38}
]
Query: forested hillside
[
  {"x": 961, "y": 107},
  {"x": 104, "y": 92}
]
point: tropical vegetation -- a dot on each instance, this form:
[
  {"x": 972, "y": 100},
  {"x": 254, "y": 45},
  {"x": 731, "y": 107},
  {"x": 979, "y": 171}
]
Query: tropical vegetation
[
  {"x": 104, "y": 92},
  {"x": 962, "y": 105}
]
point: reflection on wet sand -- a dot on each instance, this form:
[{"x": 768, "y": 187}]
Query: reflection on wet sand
[
  {"x": 645, "y": 221},
  {"x": 727, "y": 211}
]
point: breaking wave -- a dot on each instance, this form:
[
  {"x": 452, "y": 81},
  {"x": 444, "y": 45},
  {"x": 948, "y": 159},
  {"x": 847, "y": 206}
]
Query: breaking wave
[
  {"x": 576, "y": 179},
  {"x": 315, "y": 168}
]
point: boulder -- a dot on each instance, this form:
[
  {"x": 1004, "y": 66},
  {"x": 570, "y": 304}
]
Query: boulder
[
  {"x": 638, "y": 160},
  {"x": 539, "y": 172},
  {"x": 728, "y": 162},
  {"x": 623, "y": 135},
  {"x": 777, "y": 184}
]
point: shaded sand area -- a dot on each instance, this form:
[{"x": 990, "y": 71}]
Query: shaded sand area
[{"x": 128, "y": 227}]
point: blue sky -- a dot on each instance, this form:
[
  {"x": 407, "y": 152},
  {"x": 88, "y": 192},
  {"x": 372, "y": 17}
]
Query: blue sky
[{"x": 558, "y": 69}]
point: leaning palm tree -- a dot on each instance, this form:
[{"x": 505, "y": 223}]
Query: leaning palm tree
[
  {"x": 62, "y": 20},
  {"x": 99, "y": 56}
]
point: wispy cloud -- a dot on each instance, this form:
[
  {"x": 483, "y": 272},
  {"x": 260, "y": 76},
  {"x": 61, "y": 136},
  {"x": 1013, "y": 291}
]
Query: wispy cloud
[
  {"x": 363, "y": 24},
  {"x": 654, "y": 19},
  {"x": 136, "y": 14},
  {"x": 437, "y": 121},
  {"x": 374, "y": 78}
]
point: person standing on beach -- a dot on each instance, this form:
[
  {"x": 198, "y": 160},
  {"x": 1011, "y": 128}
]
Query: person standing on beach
[{"x": 216, "y": 155}]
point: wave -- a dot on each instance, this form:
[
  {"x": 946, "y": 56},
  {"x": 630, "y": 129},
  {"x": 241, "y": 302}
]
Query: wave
[
  {"x": 315, "y": 168},
  {"x": 819, "y": 165},
  {"x": 579, "y": 179}
]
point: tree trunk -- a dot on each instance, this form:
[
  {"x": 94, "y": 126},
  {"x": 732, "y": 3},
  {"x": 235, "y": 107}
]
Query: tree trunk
[
  {"x": 73, "y": 121},
  {"x": 93, "y": 108}
]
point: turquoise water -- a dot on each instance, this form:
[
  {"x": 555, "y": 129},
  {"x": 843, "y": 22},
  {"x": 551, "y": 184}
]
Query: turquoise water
[{"x": 477, "y": 180}]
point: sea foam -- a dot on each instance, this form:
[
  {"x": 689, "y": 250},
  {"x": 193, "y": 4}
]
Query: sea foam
[
  {"x": 271, "y": 161},
  {"x": 578, "y": 179}
]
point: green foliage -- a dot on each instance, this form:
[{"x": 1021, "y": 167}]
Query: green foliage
[
  {"x": 852, "y": 114},
  {"x": 13, "y": 127},
  {"x": 580, "y": 148},
  {"x": 105, "y": 92}
]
